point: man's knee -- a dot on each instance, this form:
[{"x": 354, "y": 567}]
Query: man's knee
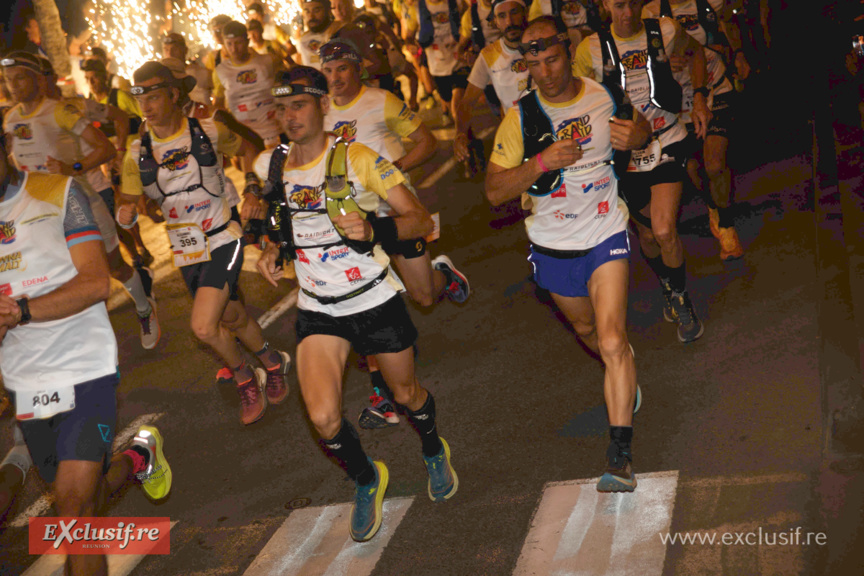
[
  {"x": 422, "y": 296},
  {"x": 204, "y": 331},
  {"x": 664, "y": 232},
  {"x": 612, "y": 345},
  {"x": 327, "y": 422}
]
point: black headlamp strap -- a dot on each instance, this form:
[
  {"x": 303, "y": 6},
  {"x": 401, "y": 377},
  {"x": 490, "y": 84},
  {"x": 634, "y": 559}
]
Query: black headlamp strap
[
  {"x": 296, "y": 90},
  {"x": 541, "y": 44}
]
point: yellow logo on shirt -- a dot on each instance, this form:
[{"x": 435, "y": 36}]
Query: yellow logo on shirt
[
  {"x": 247, "y": 77},
  {"x": 22, "y": 132},
  {"x": 306, "y": 198},
  {"x": 635, "y": 59},
  {"x": 519, "y": 66},
  {"x": 442, "y": 17},
  {"x": 347, "y": 130},
  {"x": 575, "y": 129}
]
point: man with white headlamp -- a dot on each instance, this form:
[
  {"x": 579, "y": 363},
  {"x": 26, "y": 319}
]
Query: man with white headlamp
[
  {"x": 177, "y": 163},
  {"x": 329, "y": 192}
]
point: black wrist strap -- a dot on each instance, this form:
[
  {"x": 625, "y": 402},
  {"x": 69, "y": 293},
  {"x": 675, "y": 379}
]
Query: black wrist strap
[
  {"x": 24, "y": 305},
  {"x": 384, "y": 229}
]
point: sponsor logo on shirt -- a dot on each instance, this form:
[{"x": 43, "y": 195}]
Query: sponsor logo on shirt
[
  {"x": 315, "y": 282},
  {"x": 353, "y": 275},
  {"x": 346, "y": 129},
  {"x": 305, "y": 197},
  {"x": 6, "y": 289},
  {"x": 7, "y": 232},
  {"x": 10, "y": 262},
  {"x": 442, "y": 18},
  {"x": 70, "y": 109},
  {"x": 247, "y": 77},
  {"x": 197, "y": 207},
  {"x": 602, "y": 207},
  {"x": 335, "y": 254},
  {"x": 571, "y": 8},
  {"x": 564, "y": 216},
  {"x": 659, "y": 123},
  {"x": 176, "y": 159},
  {"x": 384, "y": 167},
  {"x": 314, "y": 45},
  {"x": 522, "y": 86},
  {"x": 635, "y": 59},
  {"x": 618, "y": 251},
  {"x": 597, "y": 185},
  {"x": 301, "y": 256},
  {"x": 35, "y": 281},
  {"x": 406, "y": 113},
  {"x": 173, "y": 213},
  {"x": 575, "y": 129},
  {"x": 22, "y": 132},
  {"x": 688, "y": 21},
  {"x": 519, "y": 65},
  {"x": 561, "y": 192},
  {"x": 206, "y": 224}
]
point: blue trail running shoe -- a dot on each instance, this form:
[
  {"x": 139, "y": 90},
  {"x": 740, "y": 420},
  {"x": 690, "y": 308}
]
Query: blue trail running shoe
[
  {"x": 443, "y": 481},
  {"x": 368, "y": 509}
]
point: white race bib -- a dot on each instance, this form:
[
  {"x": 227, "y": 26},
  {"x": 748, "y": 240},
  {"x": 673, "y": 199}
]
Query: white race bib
[
  {"x": 43, "y": 404},
  {"x": 188, "y": 244},
  {"x": 646, "y": 159}
]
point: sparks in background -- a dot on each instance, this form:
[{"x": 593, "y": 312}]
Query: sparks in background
[{"x": 124, "y": 29}]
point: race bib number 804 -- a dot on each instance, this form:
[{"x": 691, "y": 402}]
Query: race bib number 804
[{"x": 44, "y": 403}]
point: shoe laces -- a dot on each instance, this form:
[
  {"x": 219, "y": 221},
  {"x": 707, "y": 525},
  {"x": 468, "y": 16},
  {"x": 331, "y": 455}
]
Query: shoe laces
[
  {"x": 249, "y": 393},
  {"x": 683, "y": 310},
  {"x": 145, "y": 322},
  {"x": 274, "y": 379}
]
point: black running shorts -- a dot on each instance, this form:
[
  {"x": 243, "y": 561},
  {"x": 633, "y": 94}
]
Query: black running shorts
[
  {"x": 385, "y": 329},
  {"x": 223, "y": 268},
  {"x": 446, "y": 84},
  {"x": 84, "y": 433},
  {"x": 635, "y": 187}
]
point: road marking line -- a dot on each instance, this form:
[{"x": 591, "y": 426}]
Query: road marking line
[
  {"x": 315, "y": 542},
  {"x": 118, "y": 564},
  {"x": 43, "y": 504},
  {"x": 280, "y": 308},
  {"x": 449, "y": 164},
  {"x": 577, "y": 530}
]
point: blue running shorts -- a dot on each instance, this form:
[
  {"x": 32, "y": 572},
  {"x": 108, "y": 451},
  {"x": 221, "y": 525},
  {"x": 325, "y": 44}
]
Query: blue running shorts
[{"x": 569, "y": 276}]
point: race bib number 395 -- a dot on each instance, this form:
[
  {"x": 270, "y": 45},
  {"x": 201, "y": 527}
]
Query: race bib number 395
[{"x": 188, "y": 244}]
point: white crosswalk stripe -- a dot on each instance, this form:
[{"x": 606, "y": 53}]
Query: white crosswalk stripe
[{"x": 315, "y": 542}]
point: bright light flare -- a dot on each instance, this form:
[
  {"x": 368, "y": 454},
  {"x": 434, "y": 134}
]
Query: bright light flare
[{"x": 123, "y": 28}]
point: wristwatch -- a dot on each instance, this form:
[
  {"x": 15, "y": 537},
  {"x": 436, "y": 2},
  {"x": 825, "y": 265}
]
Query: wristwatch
[
  {"x": 702, "y": 90},
  {"x": 24, "y": 305},
  {"x": 77, "y": 167}
]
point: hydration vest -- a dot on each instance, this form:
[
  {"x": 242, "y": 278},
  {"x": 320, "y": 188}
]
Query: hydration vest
[
  {"x": 426, "y": 34},
  {"x": 108, "y": 128},
  {"x": 707, "y": 19},
  {"x": 665, "y": 92},
  {"x": 210, "y": 171},
  {"x": 477, "y": 37},
  {"x": 338, "y": 199}
]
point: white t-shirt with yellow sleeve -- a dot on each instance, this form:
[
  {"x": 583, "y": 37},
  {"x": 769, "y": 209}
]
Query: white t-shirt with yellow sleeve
[
  {"x": 585, "y": 210},
  {"x": 336, "y": 270}
]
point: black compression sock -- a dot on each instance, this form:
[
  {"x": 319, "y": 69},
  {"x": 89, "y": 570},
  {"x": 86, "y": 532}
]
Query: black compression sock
[
  {"x": 659, "y": 268},
  {"x": 726, "y": 218},
  {"x": 621, "y": 437},
  {"x": 346, "y": 449},
  {"x": 423, "y": 422},
  {"x": 678, "y": 278}
]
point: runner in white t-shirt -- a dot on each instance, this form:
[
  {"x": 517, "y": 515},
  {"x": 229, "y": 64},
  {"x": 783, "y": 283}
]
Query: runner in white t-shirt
[
  {"x": 378, "y": 119},
  {"x": 578, "y": 228},
  {"x": 348, "y": 295},
  {"x": 178, "y": 163},
  {"x": 499, "y": 65}
]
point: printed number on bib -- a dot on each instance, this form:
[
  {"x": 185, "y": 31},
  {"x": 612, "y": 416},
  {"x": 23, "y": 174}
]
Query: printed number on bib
[
  {"x": 44, "y": 403},
  {"x": 188, "y": 244},
  {"x": 646, "y": 159}
]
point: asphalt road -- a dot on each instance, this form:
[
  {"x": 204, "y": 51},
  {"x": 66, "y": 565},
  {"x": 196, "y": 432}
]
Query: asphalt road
[{"x": 730, "y": 437}]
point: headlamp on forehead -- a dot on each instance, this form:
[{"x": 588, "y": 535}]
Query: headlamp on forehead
[
  {"x": 296, "y": 90},
  {"x": 139, "y": 90},
  {"x": 542, "y": 44},
  {"x": 26, "y": 63}
]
